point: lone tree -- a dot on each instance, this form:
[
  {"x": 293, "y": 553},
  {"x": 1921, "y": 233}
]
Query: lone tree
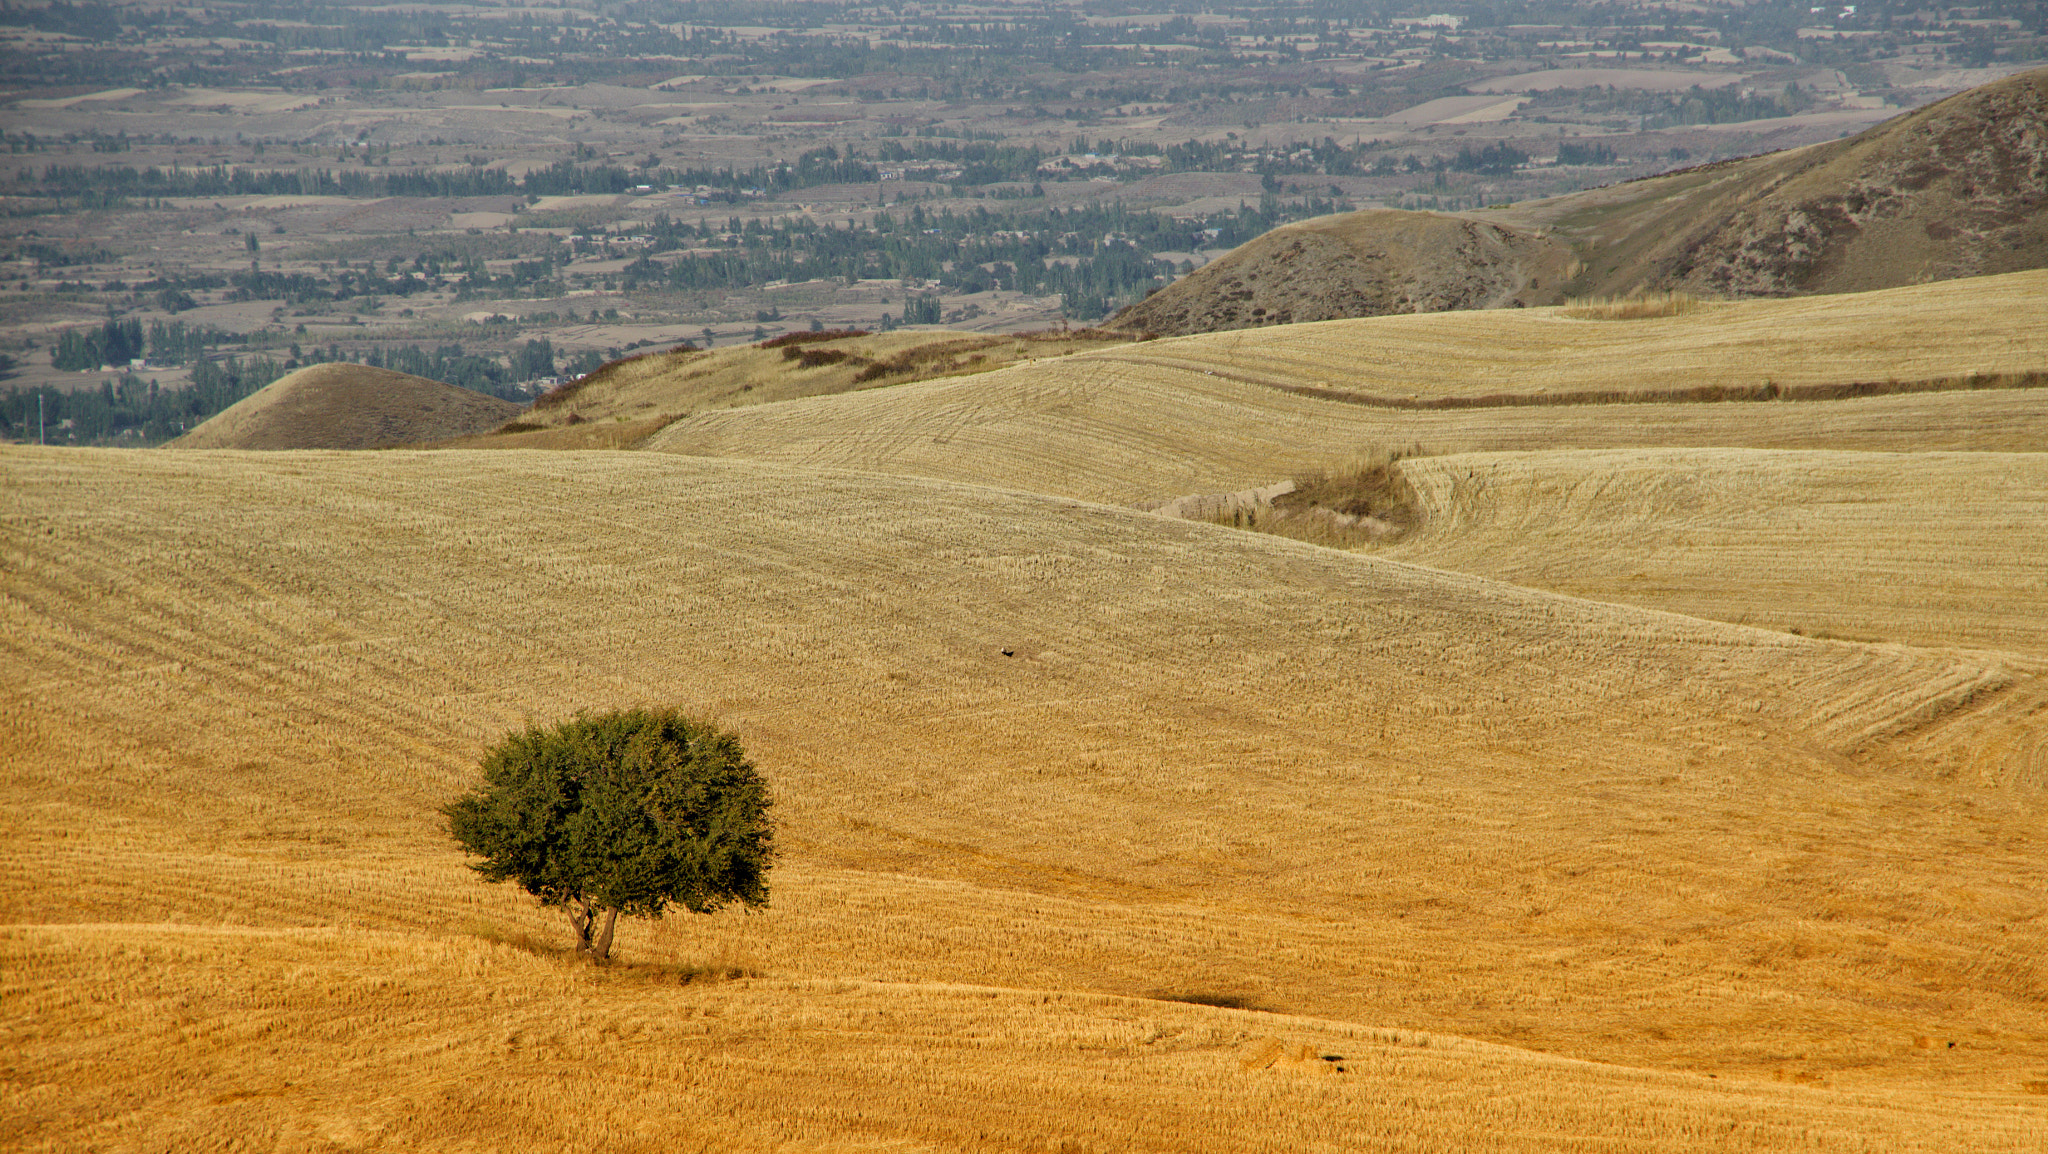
[{"x": 620, "y": 812}]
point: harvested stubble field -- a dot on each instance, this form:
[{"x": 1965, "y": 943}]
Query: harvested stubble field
[
  {"x": 1238, "y": 410},
  {"x": 1919, "y": 548},
  {"x": 621, "y": 404},
  {"x": 1745, "y": 888},
  {"x": 1955, "y": 328},
  {"x": 1099, "y": 430}
]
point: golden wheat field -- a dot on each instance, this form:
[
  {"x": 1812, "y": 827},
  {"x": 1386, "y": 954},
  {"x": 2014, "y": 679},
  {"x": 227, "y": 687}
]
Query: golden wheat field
[
  {"x": 621, "y": 404},
  {"x": 1098, "y": 430},
  {"x": 1232, "y": 812},
  {"x": 1921, "y": 548},
  {"x": 1235, "y": 410},
  {"x": 1949, "y": 328}
]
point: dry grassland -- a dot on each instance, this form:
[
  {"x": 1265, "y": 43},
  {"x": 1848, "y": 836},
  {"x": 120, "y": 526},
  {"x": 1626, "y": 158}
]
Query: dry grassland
[
  {"x": 1946, "y": 329},
  {"x": 631, "y": 399},
  {"x": 1919, "y": 548},
  {"x": 1230, "y": 411},
  {"x": 1389, "y": 802},
  {"x": 1101, "y": 429},
  {"x": 479, "y": 1046}
]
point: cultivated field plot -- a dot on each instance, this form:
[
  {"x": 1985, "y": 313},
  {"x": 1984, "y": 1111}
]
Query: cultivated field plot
[
  {"x": 1041, "y": 764},
  {"x": 1240, "y": 409},
  {"x": 1946, "y": 329},
  {"x": 1099, "y": 428},
  {"x": 1919, "y": 548},
  {"x": 649, "y": 392},
  {"x": 478, "y": 1044}
]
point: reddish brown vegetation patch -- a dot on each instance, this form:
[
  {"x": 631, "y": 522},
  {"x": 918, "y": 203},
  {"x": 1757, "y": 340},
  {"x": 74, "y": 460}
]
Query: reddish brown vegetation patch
[
  {"x": 788, "y": 339},
  {"x": 1767, "y": 391}
]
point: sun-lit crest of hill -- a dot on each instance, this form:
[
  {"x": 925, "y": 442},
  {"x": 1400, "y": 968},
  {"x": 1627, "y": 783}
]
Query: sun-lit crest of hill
[
  {"x": 1101, "y": 828},
  {"x": 1233, "y": 410},
  {"x": 1956, "y": 189},
  {"x": 345, "y": 406},
  {"x": 621, "y": 404}
]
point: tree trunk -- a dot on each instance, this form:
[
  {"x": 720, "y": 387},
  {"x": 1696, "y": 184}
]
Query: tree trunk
[{"x": 583, "y": 919}]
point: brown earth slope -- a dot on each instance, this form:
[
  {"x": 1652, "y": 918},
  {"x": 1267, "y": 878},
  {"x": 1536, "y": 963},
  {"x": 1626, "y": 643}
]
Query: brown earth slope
[
  {"x": 1357, "y": 265},
  {"x": 1956, "y": 189},
  {"x": 344, "y": 406}
]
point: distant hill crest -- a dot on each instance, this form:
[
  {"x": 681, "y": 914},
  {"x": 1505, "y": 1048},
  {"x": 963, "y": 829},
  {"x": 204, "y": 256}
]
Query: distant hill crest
[
  {"x": 1956, "y": 189},
  {"x": 346, "y": 406}
]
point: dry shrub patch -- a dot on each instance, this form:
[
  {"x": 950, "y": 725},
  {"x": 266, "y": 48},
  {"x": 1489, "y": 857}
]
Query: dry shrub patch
[
  {"x": 1087, "y": 334},
  {"x": 816, "y": 358},
  {"x": 1635, "y": 307},
  {"x": 1365, "y": 502},
  {"x": 565, "y": 392},
  {"x": 788, "y": 340},
  {"x": 932, "y": 360},
  {"x": 1211, "y": 998},
  {"x": 1695, "y": 394}
]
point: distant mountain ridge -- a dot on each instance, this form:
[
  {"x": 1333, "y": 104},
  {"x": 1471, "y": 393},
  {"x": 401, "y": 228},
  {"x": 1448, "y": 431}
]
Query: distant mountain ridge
[{"x": 1956, "y": 189}]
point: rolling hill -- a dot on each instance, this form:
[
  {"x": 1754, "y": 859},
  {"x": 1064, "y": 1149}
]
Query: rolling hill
[
  {"x": 1674, "y": 783},
  {"x": 1236, "y": 410},
  {"x": 1956, "y": 189},
  {"x": 1361, "y": 264},
  {"x": 1932, "y": 549},
  {"x": 624, "y": 402},
  {"x": 1670, "y": 880},
  {"x": 345, "y": 406}
]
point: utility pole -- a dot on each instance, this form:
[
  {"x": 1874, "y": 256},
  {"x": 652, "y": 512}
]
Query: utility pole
[{"x": 39, "y": 418}]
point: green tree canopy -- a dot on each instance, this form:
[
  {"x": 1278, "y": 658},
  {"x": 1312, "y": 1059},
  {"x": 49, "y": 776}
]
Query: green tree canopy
[{"x": 622, "y": 812}]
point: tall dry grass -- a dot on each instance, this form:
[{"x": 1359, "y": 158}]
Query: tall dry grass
[
  {"x": 1633, "y": 307},
  {"x": 1365, "y": 501}
]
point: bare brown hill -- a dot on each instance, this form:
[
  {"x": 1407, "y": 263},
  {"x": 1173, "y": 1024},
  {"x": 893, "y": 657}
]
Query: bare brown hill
[
  {"x": 344, "y": 406},
  {"x": 1359, "y": 265},
  {"x": 1956, "y": 189}
]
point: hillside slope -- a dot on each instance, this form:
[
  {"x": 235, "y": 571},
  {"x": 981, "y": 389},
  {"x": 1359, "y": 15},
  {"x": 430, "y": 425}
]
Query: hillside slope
[
  {"x": 1046, "y": 772},
  {"x": 1237, "y": 410},
  {"x": 1187, "y": 761},
  {"x": 345, "y": 406},
  {"x": 1921, "y": 548},
  {"x": 1358, "y": 265},
  {"x": 619, "y": 405},
  {"x": 1956, "y": 189}
]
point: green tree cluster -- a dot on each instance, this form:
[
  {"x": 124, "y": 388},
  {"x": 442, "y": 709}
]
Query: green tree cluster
[{"x": 622, "y": 812}]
